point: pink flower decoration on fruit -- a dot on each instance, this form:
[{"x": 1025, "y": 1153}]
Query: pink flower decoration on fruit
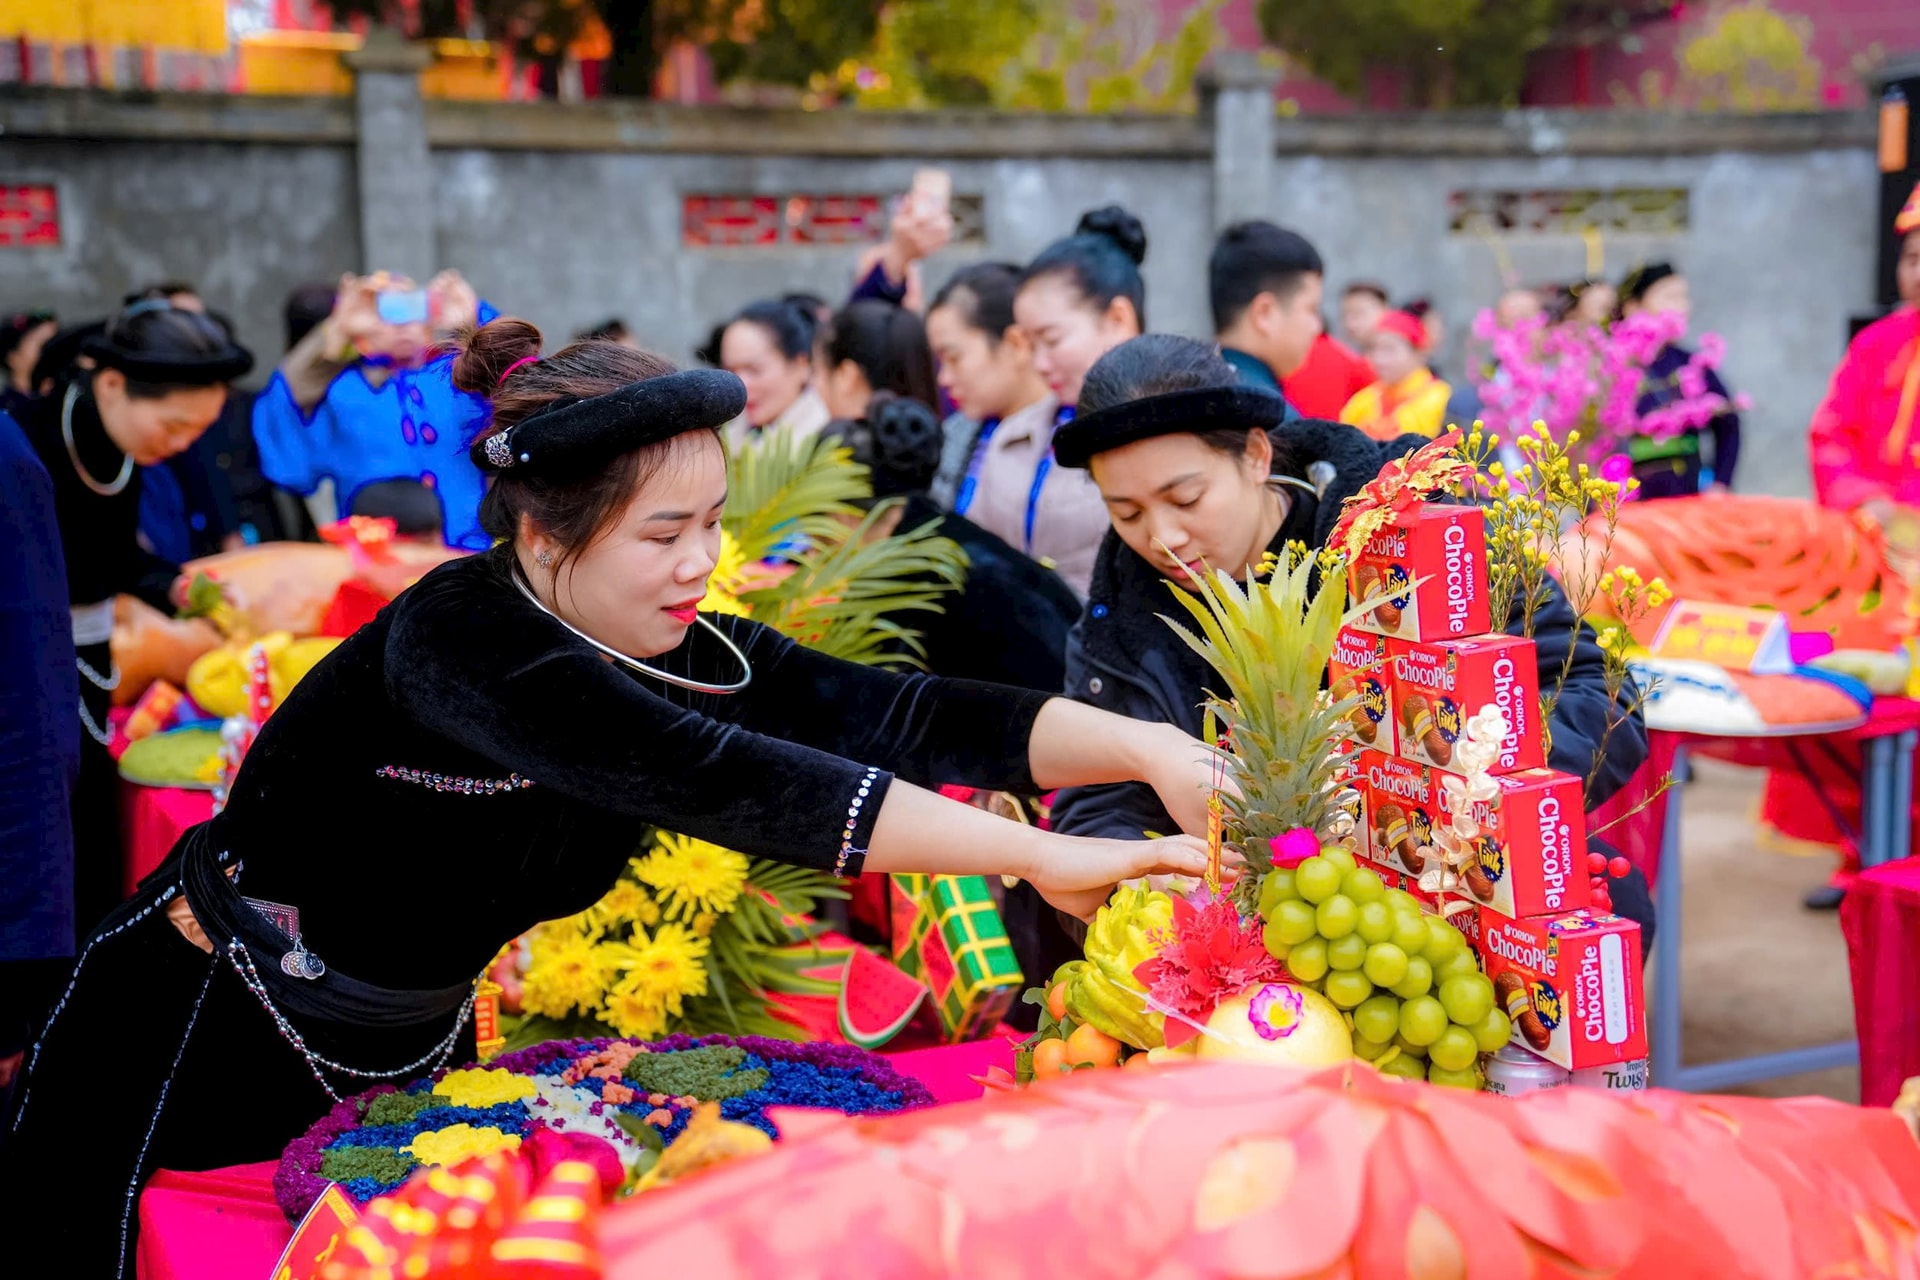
[
  {"x": 1275, "y": 1011},
  {"x": 1294, "y": 847}
]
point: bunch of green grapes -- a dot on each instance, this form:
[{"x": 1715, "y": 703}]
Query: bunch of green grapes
[{"x": 1407, "y": 979}]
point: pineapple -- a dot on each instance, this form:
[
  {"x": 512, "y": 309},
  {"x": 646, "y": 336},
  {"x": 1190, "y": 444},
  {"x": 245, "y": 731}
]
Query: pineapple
[{"x": 1270, "y": 642}]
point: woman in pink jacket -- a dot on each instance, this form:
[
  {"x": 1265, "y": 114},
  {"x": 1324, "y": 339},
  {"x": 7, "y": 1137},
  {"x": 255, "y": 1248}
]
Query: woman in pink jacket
[
  {"x": 1866, "y": 433},
  {"x": 1866, "y": 458}
]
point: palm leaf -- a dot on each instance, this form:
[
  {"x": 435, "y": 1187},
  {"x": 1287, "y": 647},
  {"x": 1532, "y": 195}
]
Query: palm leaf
[
  {"x": 842, "y": 597},
  {"x": 787, "y": 486}
]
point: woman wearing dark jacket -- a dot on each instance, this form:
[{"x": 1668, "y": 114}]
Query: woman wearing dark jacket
[
  {"x": 1009, "y": 621},
  {"x": 1225, "y": 490}
]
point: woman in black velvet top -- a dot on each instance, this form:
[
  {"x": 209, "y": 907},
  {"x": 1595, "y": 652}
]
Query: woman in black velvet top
[
  {"x": 158, "y": 380},
  {"x": 486, "y": 755}
]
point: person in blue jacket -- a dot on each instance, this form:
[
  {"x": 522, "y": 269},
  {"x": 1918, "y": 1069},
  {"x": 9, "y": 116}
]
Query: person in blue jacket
[
  {"x": 39, "y": 752},
  {"x": 361, "y": 399}
]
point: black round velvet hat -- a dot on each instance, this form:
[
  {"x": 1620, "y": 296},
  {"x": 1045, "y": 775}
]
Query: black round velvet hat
[
  {"x": 576, "y": 437},
  {"x": 224, "y": 363},
  {"x": 1171, "y": 413}
]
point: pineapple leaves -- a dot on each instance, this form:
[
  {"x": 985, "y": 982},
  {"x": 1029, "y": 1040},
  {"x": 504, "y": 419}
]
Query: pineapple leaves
[{"x": 1270, "y": 641}]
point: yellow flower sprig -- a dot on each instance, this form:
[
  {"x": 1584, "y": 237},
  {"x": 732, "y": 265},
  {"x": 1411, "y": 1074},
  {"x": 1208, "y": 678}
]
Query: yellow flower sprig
[{"x": 1553, "y": 515}]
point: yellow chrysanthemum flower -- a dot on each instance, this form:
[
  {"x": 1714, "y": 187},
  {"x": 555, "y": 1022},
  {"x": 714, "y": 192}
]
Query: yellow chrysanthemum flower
[
  {"x": 724, "y": 583},
  {"x": 634, "y": 1014},
  {"x": 625, "y": 902},
  {"x": 564, "y": 972},
  {"x": 692, "y": 876},
  {"x": 460, "y": 1142},
  {"x": 658, "y": 973},
  {"x": 483, "y": 1087}
]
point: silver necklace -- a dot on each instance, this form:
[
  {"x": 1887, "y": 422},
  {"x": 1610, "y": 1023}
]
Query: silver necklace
[
  {"x": 746, "y": 668},
  {"x": 119, "y": 482}
]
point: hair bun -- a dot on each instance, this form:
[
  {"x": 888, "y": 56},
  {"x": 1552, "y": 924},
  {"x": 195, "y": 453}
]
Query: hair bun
[
  {"x": 1114, "y": 223},
  {"x": 487, "y": 352},
  {"x": 906, "y": 434}
]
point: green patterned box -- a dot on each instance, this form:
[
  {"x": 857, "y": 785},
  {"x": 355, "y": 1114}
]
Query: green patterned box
[{"x": 948, "y": 933}]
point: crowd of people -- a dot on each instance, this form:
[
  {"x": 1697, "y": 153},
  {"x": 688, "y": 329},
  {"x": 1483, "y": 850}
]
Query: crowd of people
[{"x": 1025, "y": 410}]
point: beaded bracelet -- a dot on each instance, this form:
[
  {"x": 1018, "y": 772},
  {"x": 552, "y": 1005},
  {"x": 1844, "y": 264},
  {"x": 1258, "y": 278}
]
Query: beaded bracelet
[{"x": 853, "y": 819}]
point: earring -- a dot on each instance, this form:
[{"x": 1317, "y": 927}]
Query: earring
[{"x": 544, "y": 559}]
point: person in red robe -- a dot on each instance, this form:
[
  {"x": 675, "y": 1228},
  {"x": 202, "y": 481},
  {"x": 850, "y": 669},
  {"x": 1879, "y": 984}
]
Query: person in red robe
[
  {"x": 1865, "y": 447},
  {"x": 1866, "y": 451},
  {"x": 1333, "y": 374}
]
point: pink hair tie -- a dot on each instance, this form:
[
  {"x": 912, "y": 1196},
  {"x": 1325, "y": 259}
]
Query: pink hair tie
[{"x": 515, "y": 365}]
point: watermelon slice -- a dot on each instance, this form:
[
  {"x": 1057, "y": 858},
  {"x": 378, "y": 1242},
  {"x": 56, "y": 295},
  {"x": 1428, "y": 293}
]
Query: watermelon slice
[{"x": 876, "y": 999}]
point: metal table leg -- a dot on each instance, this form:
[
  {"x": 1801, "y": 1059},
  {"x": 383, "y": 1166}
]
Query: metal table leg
[
  {"x": 1898, "y": 841},
  {"x": 1876, "y": 800},
  {"x": 1884, "y": 796},
  {"x": 1665, "y": 1049}
]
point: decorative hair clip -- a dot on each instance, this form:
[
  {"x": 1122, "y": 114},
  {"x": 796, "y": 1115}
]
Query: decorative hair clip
[{"x": 499, "y": 452}]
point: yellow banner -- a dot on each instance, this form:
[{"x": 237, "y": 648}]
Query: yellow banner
[{"x": 184, "y": 26}]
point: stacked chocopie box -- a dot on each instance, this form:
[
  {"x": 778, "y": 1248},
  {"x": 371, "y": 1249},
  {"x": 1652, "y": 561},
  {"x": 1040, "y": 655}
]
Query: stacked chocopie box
[{"x": 1422, "y": 664}]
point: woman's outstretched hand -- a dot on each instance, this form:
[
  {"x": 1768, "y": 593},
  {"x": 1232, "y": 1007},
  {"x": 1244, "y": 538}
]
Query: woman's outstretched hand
[
  {"x": 1077, "y": 875},
  {"x": 1184, "y": 772}
]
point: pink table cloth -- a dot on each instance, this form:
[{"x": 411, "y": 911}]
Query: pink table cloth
[
  {"x": 1881, "y": 919},
  {"x": 224, "y": 1224}
]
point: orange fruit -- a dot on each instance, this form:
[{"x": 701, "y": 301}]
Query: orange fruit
[
  {"x": 1137, "y": 1062},
  {"x": 1049, "y": 1059},
  {"x": 1093, "y": 1047},
  {"x": 1057, "y": 1001}
]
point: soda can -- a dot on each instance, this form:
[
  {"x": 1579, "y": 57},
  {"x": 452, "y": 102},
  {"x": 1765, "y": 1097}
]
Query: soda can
[
  {"x": 1513, "y": 1072},
  {"x": 1617, "y": 1077}
]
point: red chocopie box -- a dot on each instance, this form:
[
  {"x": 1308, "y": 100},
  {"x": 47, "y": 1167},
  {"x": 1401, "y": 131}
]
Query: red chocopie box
[
  {"x": 1442, "y": 549},
  {"x": 1532, "y": 846},
  {"x": 1358, "y": 668},
  {"x": 1437, "y": 686},
  {"x": 1398, "y": 801},
  {"x": 1571, "y": 984}
]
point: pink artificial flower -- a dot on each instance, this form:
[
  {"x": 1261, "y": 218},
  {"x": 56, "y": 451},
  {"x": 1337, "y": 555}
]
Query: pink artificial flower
[
  {"x": 1294, "y": 847},
  {"x": 1617, "y": 468},
  {"x": 547, "y": 1147},
  {"x": 1713, "y": 349},
  {"x": 1275, "y": 1011},
  {"x": 1692, "y": 380}
]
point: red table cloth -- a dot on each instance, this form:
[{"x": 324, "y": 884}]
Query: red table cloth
[
  {"x": 1881, "y": 919},
  {"x": 1829, "y": 764},
  {"x": 224, "y": 1224},
  {"x": 153, "y": 819}
]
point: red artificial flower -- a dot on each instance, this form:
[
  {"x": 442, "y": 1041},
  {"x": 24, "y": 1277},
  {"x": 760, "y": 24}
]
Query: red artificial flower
[
  {"x": 1294, "y": 847},
  {"x": 1208, "y": 955}
]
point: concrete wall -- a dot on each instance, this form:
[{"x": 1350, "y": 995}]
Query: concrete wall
[{"x": 565, "y": 214}]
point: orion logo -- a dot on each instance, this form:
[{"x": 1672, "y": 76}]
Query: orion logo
[
  {"x": 1504, "y": 679},
  {"x": 1556, "y": 841},
  {"x": 1459, "y": 578},
  {"x": 1524, "y": 952},
  {"x": 1426, "y": 670},
  {"x": 1407, "y": 786},
  {"x": 1593, "y": 1004}
]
